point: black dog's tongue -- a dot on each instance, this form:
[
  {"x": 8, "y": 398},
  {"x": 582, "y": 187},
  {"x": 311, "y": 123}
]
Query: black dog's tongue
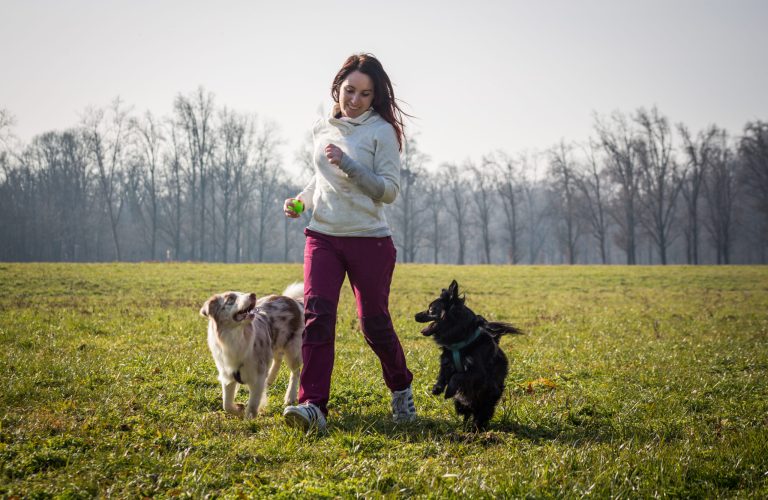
[{"x": 429, "y": 329}]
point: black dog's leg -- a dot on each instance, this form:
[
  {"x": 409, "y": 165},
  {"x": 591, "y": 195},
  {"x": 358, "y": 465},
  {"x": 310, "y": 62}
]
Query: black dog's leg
[
  {"x": 484, "y": 409},
  {"x": 453, "y": 385},
  {"x": 463, "y": 410},
  {"x": 442, "y": 377},
  {"x": 438, "y": 387}
]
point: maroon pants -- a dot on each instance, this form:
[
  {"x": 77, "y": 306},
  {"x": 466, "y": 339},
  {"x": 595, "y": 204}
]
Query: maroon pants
[{"x": 369, "y": 263}]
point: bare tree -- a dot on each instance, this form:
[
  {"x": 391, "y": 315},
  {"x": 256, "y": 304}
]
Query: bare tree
[
  {"x": 267, "y": 175},
  {"x": 58, "y": 164},
  {"x": 136, "y": 220},
  {"x": 753, "y": 150},
  {"x": 149, "y": 141},
  {"x": 194, "y": 114},
  {"x": 208, "y": 184},
  {"x": 590, "y": 182},
  {"x": 562, "y": 170},
  {"x": 721, "y": 190},
  {"x": 17, "y": 211},
  {"x": 105, "y": 134},
  {"x": 534, "y": 209},
  {"x": 235, "y": 138},
  {"x": 7, "y": 122},
  {"x": 660, "y": 181},
  {"x": 12, "y": 222},
  {"x": 76, "y": 191},
  {"x": 407, "y": 210},
  {"x": 455, "y": 201},
  {"x": 304, "y": 159},
  {"x": 535, "y": 215},
  {"x": 482, "y": 187},
  {"x": 172, "y": 201},
  {"x": 620, "y": 143},
  {"x": 507, "y": 181},
  {"x": 433, "y": 191},
  {"x": 697, "y": 152}
]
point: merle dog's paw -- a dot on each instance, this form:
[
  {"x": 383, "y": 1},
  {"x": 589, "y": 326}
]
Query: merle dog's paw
[{"x": 437, "y": 389}]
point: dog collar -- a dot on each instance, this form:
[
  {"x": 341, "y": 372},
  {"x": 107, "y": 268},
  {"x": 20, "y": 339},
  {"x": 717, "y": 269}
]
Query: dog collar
[{"x": 458, "y": 346}]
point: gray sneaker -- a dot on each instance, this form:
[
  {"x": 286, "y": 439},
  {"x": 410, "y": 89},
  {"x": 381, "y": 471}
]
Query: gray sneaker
[
  {"x": 305, "y": 416},
  {"x": 403, "y": 409}
]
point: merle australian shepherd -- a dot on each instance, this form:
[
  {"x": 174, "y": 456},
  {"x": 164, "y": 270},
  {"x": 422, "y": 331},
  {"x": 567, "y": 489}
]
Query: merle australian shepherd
[{"x": 472, "y": 365}]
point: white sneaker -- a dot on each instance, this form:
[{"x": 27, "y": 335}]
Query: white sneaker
[
  {"x": 305, "y": 416},
  {"x": 403, "y": 409}
]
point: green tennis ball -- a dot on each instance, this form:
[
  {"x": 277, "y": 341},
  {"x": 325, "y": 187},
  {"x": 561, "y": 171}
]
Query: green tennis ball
[{"x": 298, "y": 206}]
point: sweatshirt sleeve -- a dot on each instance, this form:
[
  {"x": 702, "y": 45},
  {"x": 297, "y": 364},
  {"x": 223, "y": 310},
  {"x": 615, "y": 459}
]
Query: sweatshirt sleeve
[
  {"x": 307, "y": 194},
  {"x": 383, "y": 182}
]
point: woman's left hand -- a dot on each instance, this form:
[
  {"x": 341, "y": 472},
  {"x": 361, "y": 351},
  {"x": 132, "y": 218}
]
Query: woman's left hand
[{"x": 334, "y": 154}]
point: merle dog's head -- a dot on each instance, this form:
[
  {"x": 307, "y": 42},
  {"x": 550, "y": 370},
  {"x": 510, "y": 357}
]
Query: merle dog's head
[
  {"x": 450, "y": 321},
  {"x": 229, "y": 308}
]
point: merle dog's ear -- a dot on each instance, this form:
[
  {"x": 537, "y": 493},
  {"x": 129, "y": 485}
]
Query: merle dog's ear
[{"x": 211, "y": 307}]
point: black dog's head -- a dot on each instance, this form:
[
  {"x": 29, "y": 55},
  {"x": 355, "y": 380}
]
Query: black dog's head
[{"x": 449, "y": 319}]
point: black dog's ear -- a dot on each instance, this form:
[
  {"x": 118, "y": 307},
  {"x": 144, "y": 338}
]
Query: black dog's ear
[{"x": 454, "y": 289}]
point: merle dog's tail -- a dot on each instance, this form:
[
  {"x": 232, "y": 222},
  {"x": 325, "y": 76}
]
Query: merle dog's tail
[
  {"x": 295, "y": 291},
  {"x": 497, "y": 328}
]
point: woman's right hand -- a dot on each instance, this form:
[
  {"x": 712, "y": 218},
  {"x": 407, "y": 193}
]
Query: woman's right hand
[
  {"x": 288, "y": 208},
  {"x": 334, "y": 154}
]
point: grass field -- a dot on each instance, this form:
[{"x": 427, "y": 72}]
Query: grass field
[{"x": 630, "y": 382}]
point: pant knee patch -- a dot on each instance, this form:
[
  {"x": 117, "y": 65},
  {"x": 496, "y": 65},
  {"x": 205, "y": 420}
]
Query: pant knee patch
[
  {"x": 320, "y": 320},
  {"x": 378, "y": 329}
]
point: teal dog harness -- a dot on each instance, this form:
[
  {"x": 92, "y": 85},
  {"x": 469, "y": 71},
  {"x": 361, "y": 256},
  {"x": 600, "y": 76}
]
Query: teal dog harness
[{"x": 458, "y": 346}]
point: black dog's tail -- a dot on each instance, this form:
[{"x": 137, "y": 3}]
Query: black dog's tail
[{"x": 497, "y": 328}]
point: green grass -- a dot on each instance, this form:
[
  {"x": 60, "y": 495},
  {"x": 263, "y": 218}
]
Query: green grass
[{"x": 630, "y": 382}]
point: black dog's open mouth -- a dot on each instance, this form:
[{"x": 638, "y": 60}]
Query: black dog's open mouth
[
  {"x": 427, "y": 330},
  {"x": 241, "y": 315},
  {"x": 424, "y": 317}
]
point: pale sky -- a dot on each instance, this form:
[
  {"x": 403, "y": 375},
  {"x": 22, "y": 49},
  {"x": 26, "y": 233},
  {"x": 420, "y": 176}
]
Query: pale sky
[{"x": 478, "y": 75}]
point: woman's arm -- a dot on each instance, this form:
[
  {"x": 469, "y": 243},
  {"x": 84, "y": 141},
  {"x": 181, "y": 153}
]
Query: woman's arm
[
  {"x": 307, "y": 194},
  {"x": 383, "y": 182},
  {"x": 368, "y": 182}
]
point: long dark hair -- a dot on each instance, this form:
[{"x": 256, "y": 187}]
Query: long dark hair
[{"x": 383, "y": 94}]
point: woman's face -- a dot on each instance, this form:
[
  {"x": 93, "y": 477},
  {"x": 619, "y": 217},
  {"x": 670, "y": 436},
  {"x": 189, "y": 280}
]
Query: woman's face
[{"x": 355, "y": 94}]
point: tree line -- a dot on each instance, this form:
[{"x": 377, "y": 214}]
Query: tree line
[{"x": 206, "y": 183}]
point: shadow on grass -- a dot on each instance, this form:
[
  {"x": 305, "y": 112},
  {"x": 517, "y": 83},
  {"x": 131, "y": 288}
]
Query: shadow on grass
[
  {"x": 498, "y": 432},
  {"x": 562, "y": 433},
  {"x": 586, "y": 425},
  {"x": 585, "y": 432},
  {"x": 429, "y": 429},
  {"x": 423, "y": 428}
]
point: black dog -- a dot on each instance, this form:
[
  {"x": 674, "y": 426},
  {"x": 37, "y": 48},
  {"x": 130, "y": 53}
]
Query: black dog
[{"x": 472, "y": 365}]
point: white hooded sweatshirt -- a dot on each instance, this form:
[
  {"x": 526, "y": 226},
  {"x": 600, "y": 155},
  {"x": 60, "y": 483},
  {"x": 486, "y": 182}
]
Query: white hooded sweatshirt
[{"x": 349, "y": 200}]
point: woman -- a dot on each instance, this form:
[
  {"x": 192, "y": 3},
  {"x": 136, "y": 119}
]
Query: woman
[{"x": 357, "y": 170}]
